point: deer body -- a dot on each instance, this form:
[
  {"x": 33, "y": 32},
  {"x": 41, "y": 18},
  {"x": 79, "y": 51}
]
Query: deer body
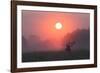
[{"x": 69, "y": 45}]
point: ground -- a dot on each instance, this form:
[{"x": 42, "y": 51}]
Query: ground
[{"x": 54, "y": 56}]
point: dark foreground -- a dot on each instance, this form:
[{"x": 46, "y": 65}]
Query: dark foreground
[{"x": 54, "y": 56}]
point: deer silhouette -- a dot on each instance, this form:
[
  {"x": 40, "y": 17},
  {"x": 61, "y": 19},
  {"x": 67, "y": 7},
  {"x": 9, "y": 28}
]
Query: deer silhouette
[{"x": 69, "y": 45}]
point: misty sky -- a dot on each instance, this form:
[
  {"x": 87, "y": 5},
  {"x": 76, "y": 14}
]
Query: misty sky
[{"x": 41, "y": 24}]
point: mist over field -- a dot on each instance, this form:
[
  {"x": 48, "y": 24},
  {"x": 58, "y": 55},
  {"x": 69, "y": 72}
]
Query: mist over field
[
  {"x": 44, "y": 51},
  {"x": 50, "y": 35}
]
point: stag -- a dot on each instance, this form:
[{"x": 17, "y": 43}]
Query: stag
[{"x": 69, "y": 45}]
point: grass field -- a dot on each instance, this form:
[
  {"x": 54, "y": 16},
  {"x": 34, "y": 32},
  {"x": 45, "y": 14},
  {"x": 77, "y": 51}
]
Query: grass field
[{"x": 55, "y": 56}]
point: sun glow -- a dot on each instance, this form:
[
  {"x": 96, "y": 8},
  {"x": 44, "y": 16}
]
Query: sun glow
[{"x": 58, "y": 25}]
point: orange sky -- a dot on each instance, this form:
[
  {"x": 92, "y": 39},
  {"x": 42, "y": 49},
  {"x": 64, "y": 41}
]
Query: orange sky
[{"x": 42, "y": 24}]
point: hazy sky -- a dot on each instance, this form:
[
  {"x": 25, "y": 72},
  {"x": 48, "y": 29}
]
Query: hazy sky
[{"x": 42, "y": 24}]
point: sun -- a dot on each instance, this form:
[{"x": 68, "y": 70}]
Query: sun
[{"x": 58, "y": 25}]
